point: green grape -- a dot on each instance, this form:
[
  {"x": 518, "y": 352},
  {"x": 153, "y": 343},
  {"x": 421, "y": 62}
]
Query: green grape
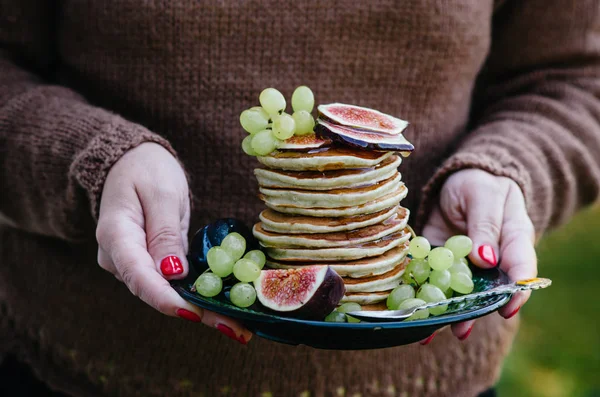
[
  {"x": 303, "y": 99},
  {"x": 336, "y": 317},
  {"x": 449, "y": 293},
  {"x": 399, "y": 294},
  {"x": 460, "y": 245},
  {"x": 412, "y": 302},
  {"x": 305, "y": 122},
  {"x": 235, "y": 245},
  {"x": 419, "y": 269},
  {"x": 440, "y": 258},
  {"x": 461, "y": 283},
  {"x": 440, "y": 278},
  {"x": 419, "y": 247},
  {"x": 350, "y": 307},
  {"x": 242, "y": 295},
  {"x": 264, "y": 142},
  {"x": 430, "y": 293},
  {"x": 272, "y": 101},
  {"x": 246, "y": 270},
  {"x": 219, "y": 261},
  {"x": 257, "y": 257},
  {"x": 247, "y": 146},
  {"x": 254, "y": 119},
  {"x": 284, "y": 126},
  {"x": 209, "y": 285},
  {"x": 461, "y": 266}
]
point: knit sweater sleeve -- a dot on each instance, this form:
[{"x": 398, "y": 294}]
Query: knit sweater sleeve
[
  {"x": 539, "y": 110},
  {"x": 55, "y": 148}
]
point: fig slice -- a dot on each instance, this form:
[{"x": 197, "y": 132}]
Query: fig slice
[
  {"x": 363, "y": 139},
  {"x": 311, "y": 292},
  {"x": 303, "y": 142},
  {"x": 362, "y": 118}
]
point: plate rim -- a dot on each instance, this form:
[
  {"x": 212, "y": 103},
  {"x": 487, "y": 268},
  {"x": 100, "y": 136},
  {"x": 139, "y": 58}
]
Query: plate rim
[{"x": 254, "y": 316}]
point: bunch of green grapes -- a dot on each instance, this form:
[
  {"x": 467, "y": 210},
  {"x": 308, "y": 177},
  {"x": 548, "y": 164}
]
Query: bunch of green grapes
[
  {"x": 433, "y": 275},
  {"x": 227, "y": 259},
  {"x": 269, "y": 125}
]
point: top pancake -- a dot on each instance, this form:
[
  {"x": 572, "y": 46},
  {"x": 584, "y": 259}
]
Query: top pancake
[
  {"x": 331, "y": 158},
  {"x": 325, "y": 180}
]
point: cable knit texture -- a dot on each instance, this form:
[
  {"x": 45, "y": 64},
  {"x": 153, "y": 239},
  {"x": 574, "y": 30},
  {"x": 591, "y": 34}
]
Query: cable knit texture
[{"x": 511, "y": 87}]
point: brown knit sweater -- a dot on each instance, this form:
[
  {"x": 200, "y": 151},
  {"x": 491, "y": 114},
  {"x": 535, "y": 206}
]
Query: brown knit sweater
[{"x": 512, "y": 87}]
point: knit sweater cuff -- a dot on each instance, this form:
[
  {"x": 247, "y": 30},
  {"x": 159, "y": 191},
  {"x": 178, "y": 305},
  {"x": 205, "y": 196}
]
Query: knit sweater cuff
[
  {"x": 92, "y": 165},
  {"x": 499, "y": 164}
]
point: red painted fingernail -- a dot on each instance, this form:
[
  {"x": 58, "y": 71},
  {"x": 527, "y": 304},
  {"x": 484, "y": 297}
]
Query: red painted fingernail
[
  {"x": 486, "y": 252},
  {"x": 428, "y": 340},
  {"x": 171, "y": 265},
  {"x": 514, "y": 313},
  {"x": 188, "y": 315},
  {"x": 466, "y": 334},
  {"x": 228, "y": 332}
]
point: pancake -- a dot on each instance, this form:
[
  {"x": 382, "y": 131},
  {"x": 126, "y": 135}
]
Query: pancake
[
  {"x": 325, "y": 180},
  {"x": 366, "y": 298},
  {"x": 349, "y": 252},
  {"x": 323, "y": 159},
  {"x": 277, "y": 222},
  {"x": 376, "y": 205},
  {"x": 364, "y": 267},
  {"x": 393, "y": 224},
  {"x": 329, "y": 198},
  {"x": 381, "y": 282}
]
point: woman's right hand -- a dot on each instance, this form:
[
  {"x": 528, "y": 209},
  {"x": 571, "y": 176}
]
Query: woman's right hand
[{"x": 142, "y": 233}]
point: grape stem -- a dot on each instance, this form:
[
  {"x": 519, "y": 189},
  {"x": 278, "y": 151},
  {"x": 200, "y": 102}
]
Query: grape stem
[{"x": 415, "y": 280}]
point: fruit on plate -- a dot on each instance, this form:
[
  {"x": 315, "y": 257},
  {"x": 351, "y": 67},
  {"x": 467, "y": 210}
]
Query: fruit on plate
[
  {"x": 311, "y": 292},
  {"x": 360, "y": 118},
  {"x": 367, "y": 140},
  {"x": 212, "y": 235},
  {"x": 433, "y": 275}
]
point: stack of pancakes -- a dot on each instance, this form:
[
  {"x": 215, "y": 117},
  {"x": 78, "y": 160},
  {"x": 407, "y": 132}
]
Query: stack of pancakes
[{"x": 338, "y": 207}]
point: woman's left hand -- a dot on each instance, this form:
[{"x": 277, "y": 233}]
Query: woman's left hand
[{"x": 491, "y": 211}]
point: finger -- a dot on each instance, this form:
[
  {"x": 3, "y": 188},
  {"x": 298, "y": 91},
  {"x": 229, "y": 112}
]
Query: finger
[
  {"x": 519, "y": 259},
  {"x": 484, "y": 213},
  {"x": 105, "y": 261},
  {"x": 163, "y": 213},
  {"x": 463, "y": 330},
  {"x": 437, "y": 230},
  {"x": 138, "y": 272}
]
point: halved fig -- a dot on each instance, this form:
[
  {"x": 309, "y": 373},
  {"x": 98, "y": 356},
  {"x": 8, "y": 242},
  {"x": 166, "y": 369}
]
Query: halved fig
[
  {"x": 303, "y": 142},
  {"x": 309, "y": 293},
  {"x": 363, "y": 139},
  {"x": 362, "y": 118}
]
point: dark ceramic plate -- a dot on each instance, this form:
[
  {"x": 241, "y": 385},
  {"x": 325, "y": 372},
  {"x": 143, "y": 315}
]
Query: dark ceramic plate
[{"x": 351, "y": 336}]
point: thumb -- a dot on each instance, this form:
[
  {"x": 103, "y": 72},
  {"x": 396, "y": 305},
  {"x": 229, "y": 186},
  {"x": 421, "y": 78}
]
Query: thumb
[
  {"x": 166, "y": 226},
  {"x": 484, "y": 213}
]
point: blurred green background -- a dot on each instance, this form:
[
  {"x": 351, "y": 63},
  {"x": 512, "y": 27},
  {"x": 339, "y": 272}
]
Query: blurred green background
[{"x": 557, "y": 351}]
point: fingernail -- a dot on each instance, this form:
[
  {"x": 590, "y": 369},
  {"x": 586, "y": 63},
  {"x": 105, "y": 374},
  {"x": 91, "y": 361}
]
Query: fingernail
[
  {"x": 514, "y": 313},
  {"x": 466, "y": 334},
  {"x": 228, "y": 332},
  {"x": 171, "y": 265},
  {"x": 486, "y": 252},
  {"x": 428, "y": 340},
  {"x": 188, "y": 315}
]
